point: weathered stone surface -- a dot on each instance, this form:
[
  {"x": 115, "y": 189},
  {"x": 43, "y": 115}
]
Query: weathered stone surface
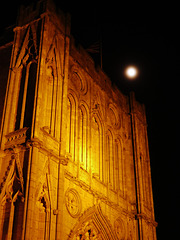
[{"x": 74, "y": 158}]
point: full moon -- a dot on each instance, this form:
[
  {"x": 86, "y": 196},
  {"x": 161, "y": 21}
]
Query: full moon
[{"x": 131, "y": 72}]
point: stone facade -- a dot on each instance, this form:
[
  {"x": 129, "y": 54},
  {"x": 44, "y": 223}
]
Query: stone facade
[{"x": 74, "y": 158}]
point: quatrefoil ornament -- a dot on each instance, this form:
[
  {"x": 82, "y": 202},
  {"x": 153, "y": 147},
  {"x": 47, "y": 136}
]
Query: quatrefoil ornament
[{"x": 73, "y": 202}]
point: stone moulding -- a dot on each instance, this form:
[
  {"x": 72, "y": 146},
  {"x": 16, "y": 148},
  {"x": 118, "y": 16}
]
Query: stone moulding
[
  {"x": 98, "y": 195},
  {"x": 35, "y": 142},
  {"x": 13, "y": 180},
  {"x": 147, "y": 219},
  {"x": 92, "y": 224},
  {"x": 73, "y": 202},
  {"x": 16, "y": 138}
]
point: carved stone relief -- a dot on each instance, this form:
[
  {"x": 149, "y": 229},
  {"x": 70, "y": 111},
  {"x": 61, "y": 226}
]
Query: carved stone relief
[
  {"x": 73, "y": 202},
  {"x": 92, "y": 225},
  {"x": 79, "y": 83},
  {"x": 13, "y": 183},
  {"x": 87, "y": 232},
  {"x": 119, "y": 229},
  {"x": 114, "y": 116},
  {"x": 78, "y": 80},
  {"x": 29, "y": 47}
]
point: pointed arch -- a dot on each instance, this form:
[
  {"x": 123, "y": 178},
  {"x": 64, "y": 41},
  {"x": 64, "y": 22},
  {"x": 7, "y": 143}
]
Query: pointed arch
[
  {"x": 54, "y": 50},
  {"x": 119, "y": 165},
  {"x": 97, "y": 146},
  {"x": 11, "y": 193},
  {"x": 44, "y": 202},
  {"x": 83, "y": 123},
  {"x": 29, "y": 95},
  {"x": 28, "y": 49},
  {"x": 78, "y": 80},
  {"x": 114, "y": 116},
  {"x": 93, "y": 225},
  {"x": 71, "y": 124},
  {"x": 23, "y": 49},
  {"x": 110, "y": 161},
  {"x": 42, "y": 214},
  {"x": 52, "y": 85},
  {"x": 59, "y": 45},
  {"x": 52, "y": 90},
  {"x": 25, "y": 69},
  {"x": 27, "y": 85}
]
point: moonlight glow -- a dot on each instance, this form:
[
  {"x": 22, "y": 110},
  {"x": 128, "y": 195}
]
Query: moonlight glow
[{"x": 131, "y": 72}]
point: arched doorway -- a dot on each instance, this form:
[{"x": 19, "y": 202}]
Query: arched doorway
[{"x": 92, "y": 225}]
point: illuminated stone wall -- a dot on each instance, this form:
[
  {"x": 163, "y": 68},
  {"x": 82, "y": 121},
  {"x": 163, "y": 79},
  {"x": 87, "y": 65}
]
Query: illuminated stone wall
[{"x": 74, "y": 158}]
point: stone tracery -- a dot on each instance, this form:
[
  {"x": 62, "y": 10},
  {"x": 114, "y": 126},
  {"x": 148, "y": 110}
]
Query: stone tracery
[
  {"x": 73, "y": 202},
  {"x": 87, "y": 232},
  {"x": 92, "y": 225}
]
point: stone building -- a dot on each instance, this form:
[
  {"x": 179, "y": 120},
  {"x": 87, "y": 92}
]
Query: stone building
[{"x": 74, "y": 158}]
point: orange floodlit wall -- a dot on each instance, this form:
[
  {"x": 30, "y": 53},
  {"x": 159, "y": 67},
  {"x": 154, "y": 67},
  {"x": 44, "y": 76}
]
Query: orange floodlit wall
[{"x": 74, "y": 158}]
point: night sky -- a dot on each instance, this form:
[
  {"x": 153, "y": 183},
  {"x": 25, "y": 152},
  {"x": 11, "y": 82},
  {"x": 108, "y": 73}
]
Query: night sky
[{"x": 145, "y": 35}]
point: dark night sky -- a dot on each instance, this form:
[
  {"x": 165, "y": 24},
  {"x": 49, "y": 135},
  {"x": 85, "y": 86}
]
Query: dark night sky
[{"x": 146, "y": 35}]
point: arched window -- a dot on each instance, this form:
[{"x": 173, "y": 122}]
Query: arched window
[
  {"x": 96, "y": 147},
  {"x": 52, "y": 96},
  {"x": 26, "y": 96},
  {"x": 119, "y": 172},
  {"x": 71, "y": 125},
  {"x": 22, "y": 72},
  {"x": 110, "y": 159},
  {"x": 29, "y": 95},
  {"x": 83, "y": 137}
]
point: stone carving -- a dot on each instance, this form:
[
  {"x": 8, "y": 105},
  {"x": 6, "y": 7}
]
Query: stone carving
[
  {"x": 78, "y": 80},
  {"x": 87, "y": 232},
  {"x": 16, "y": 138},
  {"x": 92, "y": 225},
  {"x": 13, "y": 183},
  {"x": 119, "y": 229},
  {"x": 29, "y": 49},
  {"x": 43, "y": 201},
  {"x": 114, "y": 116},
  {"x": 11, "y": 195},
  {"x": 73, "y": 202}
]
